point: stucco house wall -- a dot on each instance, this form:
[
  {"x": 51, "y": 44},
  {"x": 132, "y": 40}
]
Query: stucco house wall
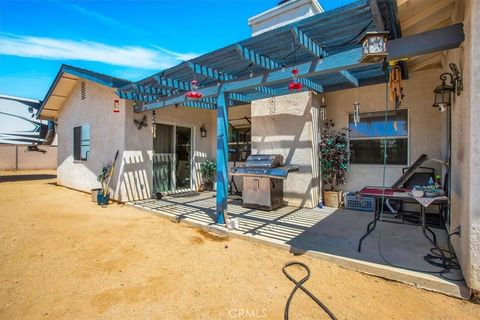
[
  {"x": 465, "y": 205},
  {"x": 425, "y": 124},
  {"x": 136, "y": 171},
  {"x": 283, "y": 125},
  {"x": 106, "y": 136}
]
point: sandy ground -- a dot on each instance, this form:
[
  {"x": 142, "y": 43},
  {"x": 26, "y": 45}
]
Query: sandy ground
[{"x": 63, "y": 257}]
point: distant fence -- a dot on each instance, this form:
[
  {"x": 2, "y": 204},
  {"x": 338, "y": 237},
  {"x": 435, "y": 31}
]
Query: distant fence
[{"x": 15, "y": 157}]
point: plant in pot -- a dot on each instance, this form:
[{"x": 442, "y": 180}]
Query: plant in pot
[
  {"x": 208, "y": 170},
  {"x": 334, "y": 159},
  {"x": 103, "y": 196}
]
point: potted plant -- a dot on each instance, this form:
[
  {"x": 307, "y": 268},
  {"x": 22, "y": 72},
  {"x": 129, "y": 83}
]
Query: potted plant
[
  {"x": 208, "y": 170},
  {"x": 334, "y": 159},
  {"x": 103, "y": 196}
]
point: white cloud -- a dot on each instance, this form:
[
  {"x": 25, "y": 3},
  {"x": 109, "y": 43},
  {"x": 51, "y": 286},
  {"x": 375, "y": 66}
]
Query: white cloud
[
  {"x": 64, "y": 49},
  {"x": 100, "y": 17},
  {"x": 177, "y": 55}
]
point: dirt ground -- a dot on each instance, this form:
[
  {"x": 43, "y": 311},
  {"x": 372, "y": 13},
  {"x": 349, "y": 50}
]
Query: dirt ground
[{"x": 63, "y": 257}]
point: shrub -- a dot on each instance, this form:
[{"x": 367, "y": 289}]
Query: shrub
[{"x": 334, "y": 156}]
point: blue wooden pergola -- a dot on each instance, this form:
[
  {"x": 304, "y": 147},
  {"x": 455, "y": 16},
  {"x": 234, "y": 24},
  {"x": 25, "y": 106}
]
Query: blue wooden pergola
[{"x": 324, "y": 48}]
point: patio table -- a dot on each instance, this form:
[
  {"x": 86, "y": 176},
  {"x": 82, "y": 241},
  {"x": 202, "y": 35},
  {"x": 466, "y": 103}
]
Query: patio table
[{"x": 403, "y": 195}]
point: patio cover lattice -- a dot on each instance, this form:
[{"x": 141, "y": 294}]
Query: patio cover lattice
[{"x": 324, "y": 48}]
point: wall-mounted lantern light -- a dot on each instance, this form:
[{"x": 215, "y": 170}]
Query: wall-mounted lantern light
[
  {"x": 443, "y": 92},
  {"x": 203, "y": 131},
  {"x": 374, "y": 46}
]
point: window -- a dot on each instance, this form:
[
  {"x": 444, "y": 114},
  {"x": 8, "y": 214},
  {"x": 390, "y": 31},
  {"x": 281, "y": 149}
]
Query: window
[
  {"x": 367, "y": 138},
  {"x": 81, "y": 142},
  {"x": 239, "y": 141}
]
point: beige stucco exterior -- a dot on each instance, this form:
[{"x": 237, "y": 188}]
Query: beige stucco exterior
[
  {"x": 287, "y": 125},
  {"x": 110, "y": 132},
  {"x": 465, "y": 205},
  {"x": 106, "y": 135},
  {"x": 425, "y": 125}
]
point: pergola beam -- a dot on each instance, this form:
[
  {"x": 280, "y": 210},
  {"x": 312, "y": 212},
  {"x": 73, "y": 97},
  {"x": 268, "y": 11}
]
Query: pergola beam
[
  {"x": 311, "y": 84},
  {"x": 256, "y": 58},
  {"x": 172, "y": 83},
  {"x": 427, "y": 42},
  {"x": 349, "y": 77},
  {"x": 267, "y": 90},
  {"x": 210, "y": 72},
  {"x": 136, "y": 96},
  {"x": 136, "y": 88},
  {"x": 239, "y": 97},
  {"x": 441, "y": 39},
  {"x": 199, "y": 104},
  {"x": 306, "y": 42}
]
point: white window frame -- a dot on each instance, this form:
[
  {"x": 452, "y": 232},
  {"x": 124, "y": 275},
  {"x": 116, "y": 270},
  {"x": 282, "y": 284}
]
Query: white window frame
[
  {"x": 408, "y": 136},
  {"x": 174, "y": 169}
]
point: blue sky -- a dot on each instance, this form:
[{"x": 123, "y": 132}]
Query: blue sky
[{"x": 128, "y": 39}]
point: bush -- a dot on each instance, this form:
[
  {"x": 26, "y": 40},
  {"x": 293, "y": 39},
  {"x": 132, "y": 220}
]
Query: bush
[
  {"x": 208, "y": 169},
  {"x": 334, "y": 156}
]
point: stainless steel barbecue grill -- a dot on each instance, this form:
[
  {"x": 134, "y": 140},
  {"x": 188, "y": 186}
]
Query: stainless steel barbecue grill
[{"x": 263, "y": 176}]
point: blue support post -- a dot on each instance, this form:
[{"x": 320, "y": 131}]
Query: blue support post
[{"x": 222, "y": 157}]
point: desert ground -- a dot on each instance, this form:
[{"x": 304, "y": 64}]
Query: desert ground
[{"x": 63, "y": 257}]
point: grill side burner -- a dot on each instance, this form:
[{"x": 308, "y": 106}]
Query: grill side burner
[{"x": 263, "y": 177}]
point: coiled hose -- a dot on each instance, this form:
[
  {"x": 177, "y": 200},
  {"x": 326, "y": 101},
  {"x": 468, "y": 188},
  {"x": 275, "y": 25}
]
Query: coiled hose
[{"x": 299, "y": 285}]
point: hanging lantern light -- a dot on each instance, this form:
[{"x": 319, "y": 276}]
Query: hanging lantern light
[
  {"x": 374, "y": 46},
  {"x": 295, "y": 84},
  {"x": 323, "y": 110},
  {"x": 116, "y": 103},
  {"x": 193, "y": 93}
]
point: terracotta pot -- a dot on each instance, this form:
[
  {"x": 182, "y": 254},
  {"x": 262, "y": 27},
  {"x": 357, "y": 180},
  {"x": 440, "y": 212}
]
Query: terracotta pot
[{"x": 332, "y": 198}]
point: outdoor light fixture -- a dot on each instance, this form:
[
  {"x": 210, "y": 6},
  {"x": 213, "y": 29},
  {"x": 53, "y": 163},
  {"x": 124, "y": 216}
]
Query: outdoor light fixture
[
  {"x": 116, "y": 102},
  {"x": 193, "y": 93},
  {"x": 443, "y": 93},
  {"x": 374, "y": 46},
  {"x": 294, "y": 84},
  {"x": 323, "y": 110},
  {"x": 203, "y": 131}
]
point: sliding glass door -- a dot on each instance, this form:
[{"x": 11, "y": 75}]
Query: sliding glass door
[{"x": 172, "y": 158}]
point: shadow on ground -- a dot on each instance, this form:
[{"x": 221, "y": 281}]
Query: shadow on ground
[{"x": 27, "y": 177}]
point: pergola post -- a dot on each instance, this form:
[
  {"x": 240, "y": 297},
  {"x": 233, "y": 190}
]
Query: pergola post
[{"x": 222, "y": 157}]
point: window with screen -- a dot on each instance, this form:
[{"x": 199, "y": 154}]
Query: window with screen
[
  {"x": 81, "y": 142},
  {"x": 367, "y": 142}
]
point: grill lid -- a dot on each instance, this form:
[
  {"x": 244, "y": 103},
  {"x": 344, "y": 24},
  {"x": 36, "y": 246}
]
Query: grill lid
[{"x": 264, "y": 161}]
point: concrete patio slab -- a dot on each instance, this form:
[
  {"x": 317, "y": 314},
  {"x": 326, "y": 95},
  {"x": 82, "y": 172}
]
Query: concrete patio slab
[{"x": 393, "y": 251}]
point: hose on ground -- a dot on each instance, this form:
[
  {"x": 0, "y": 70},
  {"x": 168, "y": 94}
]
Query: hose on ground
[{"x": 299, "y": 285}]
